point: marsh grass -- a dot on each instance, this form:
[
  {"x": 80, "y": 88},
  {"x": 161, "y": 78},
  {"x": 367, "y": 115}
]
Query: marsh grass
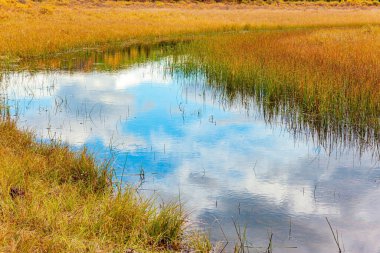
[
  {"x": 55, "y": 200},
  {"x": 36, "y": 29},
  {"x": 323, "y": 82}
]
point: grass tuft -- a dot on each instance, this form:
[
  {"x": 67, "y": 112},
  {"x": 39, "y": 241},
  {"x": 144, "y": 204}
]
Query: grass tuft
[{"x": 56, "y": 200}]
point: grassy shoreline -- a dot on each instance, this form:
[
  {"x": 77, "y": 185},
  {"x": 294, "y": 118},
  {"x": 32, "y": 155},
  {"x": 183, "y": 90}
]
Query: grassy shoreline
[
  {"x": 40, "y": 29},
  {"x": 321, "y": 81},
  {"x": 55, "y": 200}
]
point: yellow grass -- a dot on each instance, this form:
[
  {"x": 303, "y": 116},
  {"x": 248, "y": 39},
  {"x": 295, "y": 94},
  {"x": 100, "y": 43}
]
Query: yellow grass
[
  {"x": 324, "y": 80},
  {"x": 32, "y": 29},
  {"x": 55, "y": 200}
]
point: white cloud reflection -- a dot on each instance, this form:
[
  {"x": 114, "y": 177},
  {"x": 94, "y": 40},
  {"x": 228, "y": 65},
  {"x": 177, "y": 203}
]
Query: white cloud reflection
[{"x": 221, "y": 160}]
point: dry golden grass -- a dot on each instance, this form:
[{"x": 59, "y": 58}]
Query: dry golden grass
[
  {"x": 54, "y": 200},
  {"x": 326, "y": 81},
  {"x": 32, "y": 29}
]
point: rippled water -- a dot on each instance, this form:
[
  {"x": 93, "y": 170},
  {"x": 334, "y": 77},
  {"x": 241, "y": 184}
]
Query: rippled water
[{"x": 178, "y": 138}]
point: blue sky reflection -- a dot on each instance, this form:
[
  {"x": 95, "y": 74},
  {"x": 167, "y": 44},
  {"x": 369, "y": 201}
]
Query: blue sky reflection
[{"x": 226, "y": 164}]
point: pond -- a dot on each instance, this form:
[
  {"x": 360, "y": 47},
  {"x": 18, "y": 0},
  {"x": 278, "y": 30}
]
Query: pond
[{"x": 175, "y": 137}]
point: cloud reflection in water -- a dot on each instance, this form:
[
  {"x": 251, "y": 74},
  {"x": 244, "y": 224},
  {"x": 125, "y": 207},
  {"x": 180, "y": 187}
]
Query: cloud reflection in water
[{"x": 226, "y": 165}]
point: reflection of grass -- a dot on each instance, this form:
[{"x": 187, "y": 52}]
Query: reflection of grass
[
  {"x": 324, "y": 81},
  {"x": 54, "y": 200},
  {"x": 96, "y": 60},
  {"x": 35, "y": 29}
]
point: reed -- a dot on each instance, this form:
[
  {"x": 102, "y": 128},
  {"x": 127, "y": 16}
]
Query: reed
[
  {"x": 55, "y": 200},
  {"x": 321, "y": 81}
]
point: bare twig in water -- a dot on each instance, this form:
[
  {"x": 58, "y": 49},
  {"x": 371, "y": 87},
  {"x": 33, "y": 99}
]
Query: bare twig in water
[
  {"x": 270, "y": 246},
  {"x": 224, "y": 235},
  {"x": 335, "y": 235}
]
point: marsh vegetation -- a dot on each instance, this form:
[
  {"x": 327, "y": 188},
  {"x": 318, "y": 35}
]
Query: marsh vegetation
[
  {"x": 167, "y": 96},
  {"x": 323, "y": 82}
]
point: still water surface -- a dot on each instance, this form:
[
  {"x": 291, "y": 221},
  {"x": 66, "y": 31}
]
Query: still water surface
[{"x": 178, "y": 138}]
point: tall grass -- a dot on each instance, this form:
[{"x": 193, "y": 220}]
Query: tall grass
[
  {"x": 34, "y": 29},
  {"x": 325, "y": 82},
  {"x": 55, "y": 200}
]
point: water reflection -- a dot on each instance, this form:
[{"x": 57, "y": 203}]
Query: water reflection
[
  {"x": 90, "y": 59},
  {"x": 171, "y": 138},
  {"x": 324, "y": 119}
]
